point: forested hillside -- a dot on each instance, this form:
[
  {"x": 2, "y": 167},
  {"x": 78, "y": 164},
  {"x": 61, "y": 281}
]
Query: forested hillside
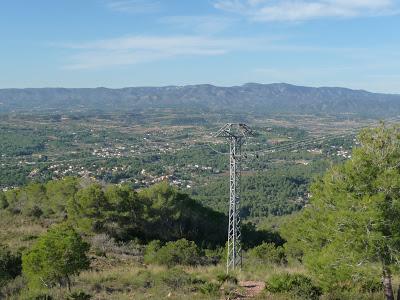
[
  {"x": 113, "y": 219},
  {"x": 265, "y": 99}
]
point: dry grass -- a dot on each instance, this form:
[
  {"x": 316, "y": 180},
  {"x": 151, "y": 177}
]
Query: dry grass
[
  {"x": 18, "y": 232},
  {"x": 121, "y": 276},
  {"x": 117, "y": 277}
]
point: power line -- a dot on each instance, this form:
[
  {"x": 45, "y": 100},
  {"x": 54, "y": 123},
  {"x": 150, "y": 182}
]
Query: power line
[
  {"x": 308, "y": 141},
  {"x": 316, "y": 140}
]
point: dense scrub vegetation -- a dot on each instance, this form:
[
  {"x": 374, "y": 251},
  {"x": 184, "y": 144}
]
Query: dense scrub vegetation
[
  {"x": 297, "y": 285},
  {"x": 159, "y": 212},
  {"x": 117, "y": 219}
]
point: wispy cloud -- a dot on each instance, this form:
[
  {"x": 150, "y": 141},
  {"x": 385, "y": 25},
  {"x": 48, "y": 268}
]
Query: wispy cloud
[
  {"x": 208, "y": 24},
  {"x": 134, "y": 6},
  {"x": 304, "y": 10},
  {"x": 131, "y": 50},
  {"x": 140, "y": 49}
]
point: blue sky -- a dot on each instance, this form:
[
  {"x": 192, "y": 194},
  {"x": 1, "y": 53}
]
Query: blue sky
[{"x": 117, "y": 43}]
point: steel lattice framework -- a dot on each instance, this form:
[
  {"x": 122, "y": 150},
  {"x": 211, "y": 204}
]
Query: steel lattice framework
[{"x": 236, "y": 134}]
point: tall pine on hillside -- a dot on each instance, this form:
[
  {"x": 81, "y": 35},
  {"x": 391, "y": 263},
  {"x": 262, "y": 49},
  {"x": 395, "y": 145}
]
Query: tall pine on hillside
[{"x": 350, "y": 231}]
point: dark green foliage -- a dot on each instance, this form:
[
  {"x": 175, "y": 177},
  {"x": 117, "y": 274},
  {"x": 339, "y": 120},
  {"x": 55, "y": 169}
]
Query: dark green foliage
[
  {"x": 40, "y": 296},
  {"x": 88, "y": 209},
  {"x": 209, "y": 288},
  {"x": 3, "y": 201},
  {"x": 351, "y": 230},
  {"x": 251, "y": 237},
  {"x": 268, "y": 253},
  {"x": 297, "y": 285},
  {"x": 227, "y": 278},
  {"x": 126, "y": 215},
  {"x": 56, "y": 255},
  {"x": 79, "y": 295},
  {"x": 34, "y": 211},
  {"x": 30, "y": 200},
  {"x": 36, "y": 295},
  {"x": 47, "y": 200},
  {"x": 173, "y": 215},
  {"x": 181, "y": 252},
  {"x": 272, "y": 191},
  {"x": 156, "y": 213},
  {"x": 34, "y": 197},
  {"x": 159, "y": 212},
  {"x": 60, "y": 192},
  {"x": 215, "y": 256},
  {"x": 10, "y": 265},
  {"x": 23, "y": 142},
  {"x": 150, "y": 253}
]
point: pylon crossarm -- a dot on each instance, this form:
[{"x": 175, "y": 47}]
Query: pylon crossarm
[{"x": 224, "y": 131}]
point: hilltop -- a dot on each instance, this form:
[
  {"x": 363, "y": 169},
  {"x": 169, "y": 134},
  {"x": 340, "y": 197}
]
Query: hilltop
[{"x": 251, "y": 97}]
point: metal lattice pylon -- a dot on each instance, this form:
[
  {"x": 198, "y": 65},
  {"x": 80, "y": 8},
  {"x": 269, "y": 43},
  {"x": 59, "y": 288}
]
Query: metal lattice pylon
[{"x": 236, "y": 135}]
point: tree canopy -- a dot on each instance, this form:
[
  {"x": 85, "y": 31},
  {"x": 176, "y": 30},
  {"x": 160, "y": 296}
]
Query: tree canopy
[
  {"x": 55, "y": 256},
  {"x": 351, "y": 228},
  {"x": 10, "y": 264}
]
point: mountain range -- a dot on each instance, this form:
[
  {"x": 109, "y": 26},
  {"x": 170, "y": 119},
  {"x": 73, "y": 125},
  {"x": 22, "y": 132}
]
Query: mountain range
[{"x": 250, "y": 97}]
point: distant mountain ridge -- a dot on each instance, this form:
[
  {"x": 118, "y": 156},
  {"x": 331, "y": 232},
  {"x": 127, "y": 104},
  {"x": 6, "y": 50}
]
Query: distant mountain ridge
[{"x": 250, "y": 97}]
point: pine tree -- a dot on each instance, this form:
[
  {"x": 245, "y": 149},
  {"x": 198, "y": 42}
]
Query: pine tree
[
  {"x": 351, "y": 228},
  {"x": 56, "y": 255}
]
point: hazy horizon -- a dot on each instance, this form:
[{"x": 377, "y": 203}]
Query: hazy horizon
[
  {"x": 197, "y": 84},
  {"x": 119, "y": 43}
]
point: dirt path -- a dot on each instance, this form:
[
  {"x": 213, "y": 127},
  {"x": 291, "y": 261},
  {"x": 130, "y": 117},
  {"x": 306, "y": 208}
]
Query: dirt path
[{"x": 252, "y": 288}]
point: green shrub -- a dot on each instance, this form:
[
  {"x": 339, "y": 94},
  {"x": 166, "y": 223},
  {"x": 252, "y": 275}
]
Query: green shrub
[
  {"x": 79, "y": 295},
  {"x": 297, "y": 285},
  {"x": 10, "y": 265},
  {"x": 223, "y": 278},
  {"x": 3, "y": 201},
  {"x": 176, "y": 278},
  {"x": 150, "y": 253},
  {"x": 143, "y": 279},
  {"x": 36, "y": 295},
  {"x": 34, "y": 211},
  {"x": 181, "y": 252},
  {"x": 209, "y": 288},
  {"x": 269, "y": 253},
  {"x": 55, "y": 256},
  {"x": 215, "y": 256},
  {"x": 370, "y": 284}
]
